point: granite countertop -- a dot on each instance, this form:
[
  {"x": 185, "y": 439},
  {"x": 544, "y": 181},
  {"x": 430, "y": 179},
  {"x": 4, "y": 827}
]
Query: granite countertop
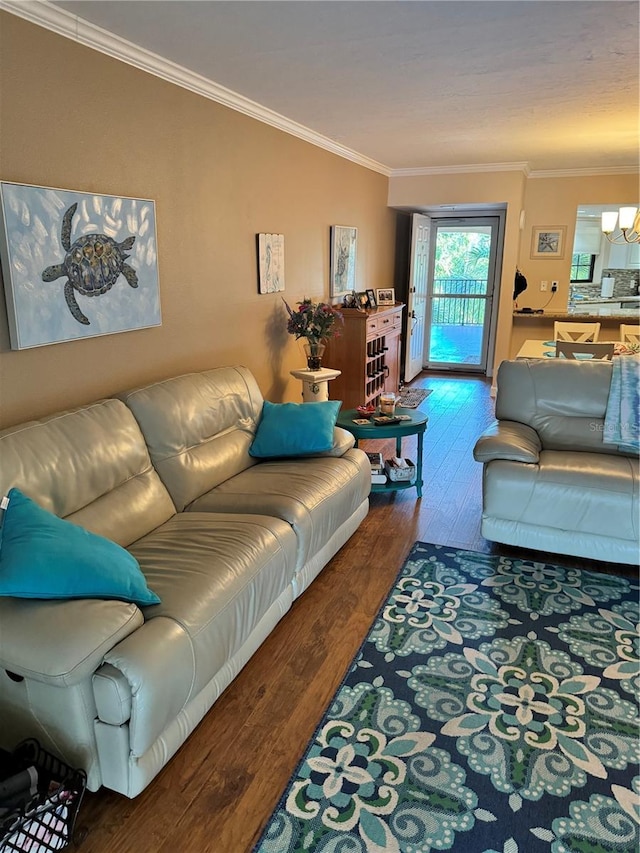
[
  {"x": 607, "y": 300},
  {"x": 605, "y": 313},
  {"x": 624, "y": 315}
]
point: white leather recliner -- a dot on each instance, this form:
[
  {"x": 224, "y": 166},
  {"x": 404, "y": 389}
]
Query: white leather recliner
[{"x": 550, "y": 482}]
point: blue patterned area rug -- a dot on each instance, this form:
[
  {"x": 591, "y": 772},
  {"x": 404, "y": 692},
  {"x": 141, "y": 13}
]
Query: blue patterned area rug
[{"x": 493, "y": 708}]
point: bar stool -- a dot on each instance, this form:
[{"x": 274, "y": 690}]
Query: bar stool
[
  {"x": 579, "y": 332},
  {"x": 629, "y": 334},
  {"x": 584, "y": 350}
]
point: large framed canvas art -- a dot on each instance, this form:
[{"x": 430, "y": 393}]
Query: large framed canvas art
[{"x": 76, "y": 264}]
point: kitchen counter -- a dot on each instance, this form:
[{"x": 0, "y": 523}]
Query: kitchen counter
[
  {"x": 584, "y": 313},
  {"x": 527, "y": 326},
  {"x": 628, "y": 301}
]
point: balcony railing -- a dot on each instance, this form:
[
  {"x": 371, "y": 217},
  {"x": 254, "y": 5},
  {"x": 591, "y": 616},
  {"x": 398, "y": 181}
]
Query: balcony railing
[{"x": 458, "y": 312}]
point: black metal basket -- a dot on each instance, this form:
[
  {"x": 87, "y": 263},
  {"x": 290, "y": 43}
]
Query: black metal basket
[{"x": 46, "y": 822}]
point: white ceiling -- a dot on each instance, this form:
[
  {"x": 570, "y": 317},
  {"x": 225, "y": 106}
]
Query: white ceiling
[{"x": 412, "y": 84}]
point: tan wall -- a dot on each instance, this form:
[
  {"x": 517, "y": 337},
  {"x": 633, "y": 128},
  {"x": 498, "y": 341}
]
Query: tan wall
[
  {"x": 497, "y": 188},
  {"x": 73, "y": 118},
  {"x": 545, "y": 201},
  {"x": 554, "y": 201}
]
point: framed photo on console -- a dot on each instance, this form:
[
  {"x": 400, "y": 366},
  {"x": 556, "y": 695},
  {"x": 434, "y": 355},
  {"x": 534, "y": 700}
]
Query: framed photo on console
[
  {"x": 371, "y": 299},
  {"x": 386, "y": 296}
]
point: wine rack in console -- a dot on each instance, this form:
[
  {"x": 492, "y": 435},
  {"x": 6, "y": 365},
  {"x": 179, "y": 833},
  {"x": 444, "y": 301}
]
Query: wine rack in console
[{"x": 367, "y": 352}]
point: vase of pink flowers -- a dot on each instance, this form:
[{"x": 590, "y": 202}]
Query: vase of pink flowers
[{"x": 316, "y": 322}]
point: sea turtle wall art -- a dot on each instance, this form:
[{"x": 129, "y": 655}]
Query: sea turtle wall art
[
  {"x": 91, "y": 265},
  {"x": 61, "y": 248}
]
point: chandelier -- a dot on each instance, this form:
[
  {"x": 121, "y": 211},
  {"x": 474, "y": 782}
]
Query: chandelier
[{"x": 628, "y": 221}]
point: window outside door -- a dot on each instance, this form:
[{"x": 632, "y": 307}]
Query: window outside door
[{"x": 460, "y": 292}]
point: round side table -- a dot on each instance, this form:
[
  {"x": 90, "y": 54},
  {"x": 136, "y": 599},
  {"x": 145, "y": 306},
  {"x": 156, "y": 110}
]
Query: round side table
[{"x": 415, "y": 426}]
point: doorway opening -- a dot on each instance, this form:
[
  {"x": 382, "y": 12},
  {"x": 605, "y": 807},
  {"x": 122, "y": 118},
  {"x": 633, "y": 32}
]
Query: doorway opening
[
  {"x": 460, "y": 293},
  {"x": 452, "y": 288}
]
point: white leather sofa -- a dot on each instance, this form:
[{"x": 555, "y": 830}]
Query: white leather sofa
[
  {"x": 226, "y": 541},
  {"x": 550, "y": 482}
]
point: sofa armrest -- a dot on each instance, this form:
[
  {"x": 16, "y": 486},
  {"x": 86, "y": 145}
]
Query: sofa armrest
[
  {"x": 61, "y": 642},
  {"x": 342, "y": 441},
  {"x": 150, "y": 675},
  {"x": 508, "y": 440}
]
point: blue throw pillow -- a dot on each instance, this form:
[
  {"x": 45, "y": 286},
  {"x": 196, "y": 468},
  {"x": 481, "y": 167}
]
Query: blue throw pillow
[
  {"x": 43, "y": 556},
  {"x": 295, "y": 429}
]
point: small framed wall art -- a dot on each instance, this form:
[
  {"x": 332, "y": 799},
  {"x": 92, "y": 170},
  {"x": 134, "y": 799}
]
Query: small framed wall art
[
  {"x": 343, "y": 259},
  {"x": 386, "y": 296},
  {"x": 76, "y": 264},
  {"x": 270, "y": 263},
  {"x": 548, "y": 242}
]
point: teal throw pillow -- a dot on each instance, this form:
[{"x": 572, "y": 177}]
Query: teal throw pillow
[
  {"x": 295, "y": 429},
  {"x": 43, "y": 556}
]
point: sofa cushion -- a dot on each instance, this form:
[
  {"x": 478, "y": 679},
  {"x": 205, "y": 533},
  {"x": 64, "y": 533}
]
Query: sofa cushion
[
  {"x": 43, "y": 556},
  {"x": 198, "y": 427},
  {"x": 88, "y": 465},
  {"x": 591, "y": 493},
  {"x": 315, "y": 495},
  {"x": 295, "y": 429},
  {"x": 217, "y": 576},
  {"x": 563, "y": 401}
]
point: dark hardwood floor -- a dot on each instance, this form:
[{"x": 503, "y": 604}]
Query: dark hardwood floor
[{"x": 217, "y": 792}]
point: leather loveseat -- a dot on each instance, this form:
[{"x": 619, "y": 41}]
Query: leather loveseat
[
  {"x": 550, "y": 482},
  {"x": 226, "y": 541}
]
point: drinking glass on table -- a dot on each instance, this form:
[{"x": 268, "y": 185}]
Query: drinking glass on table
[{"x": 387, "y": 403}]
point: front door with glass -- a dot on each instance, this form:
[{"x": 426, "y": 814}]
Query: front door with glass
[{"x": 460, "y": 292}]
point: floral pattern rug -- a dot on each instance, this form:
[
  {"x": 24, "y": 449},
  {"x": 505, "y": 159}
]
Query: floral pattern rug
[{"x": 493, "y": 708}]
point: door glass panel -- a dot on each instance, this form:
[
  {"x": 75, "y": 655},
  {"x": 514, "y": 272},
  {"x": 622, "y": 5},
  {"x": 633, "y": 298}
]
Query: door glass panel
[
  {"x": 457, "y": 326},
  {"x": 461, "y": 293}
]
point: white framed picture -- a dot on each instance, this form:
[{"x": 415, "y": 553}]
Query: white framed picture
[
  {"x": 548, "y": 242},
  {"x": 344, "y": 240},
  {"x": 270, "y": 263}
]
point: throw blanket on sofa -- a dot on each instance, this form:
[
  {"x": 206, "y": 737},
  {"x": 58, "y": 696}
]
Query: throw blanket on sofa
[{"x": 622, "y": 418}]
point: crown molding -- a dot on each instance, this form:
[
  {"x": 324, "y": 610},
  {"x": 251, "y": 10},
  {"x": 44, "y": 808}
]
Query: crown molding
[
  {"x": 64, "y": 23},
  {"x": 454, "y": 170},
  {"x": 516, "y": 167},
  {"x": 585, "y": 173},
  {"x": 70, "y": 26}
]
